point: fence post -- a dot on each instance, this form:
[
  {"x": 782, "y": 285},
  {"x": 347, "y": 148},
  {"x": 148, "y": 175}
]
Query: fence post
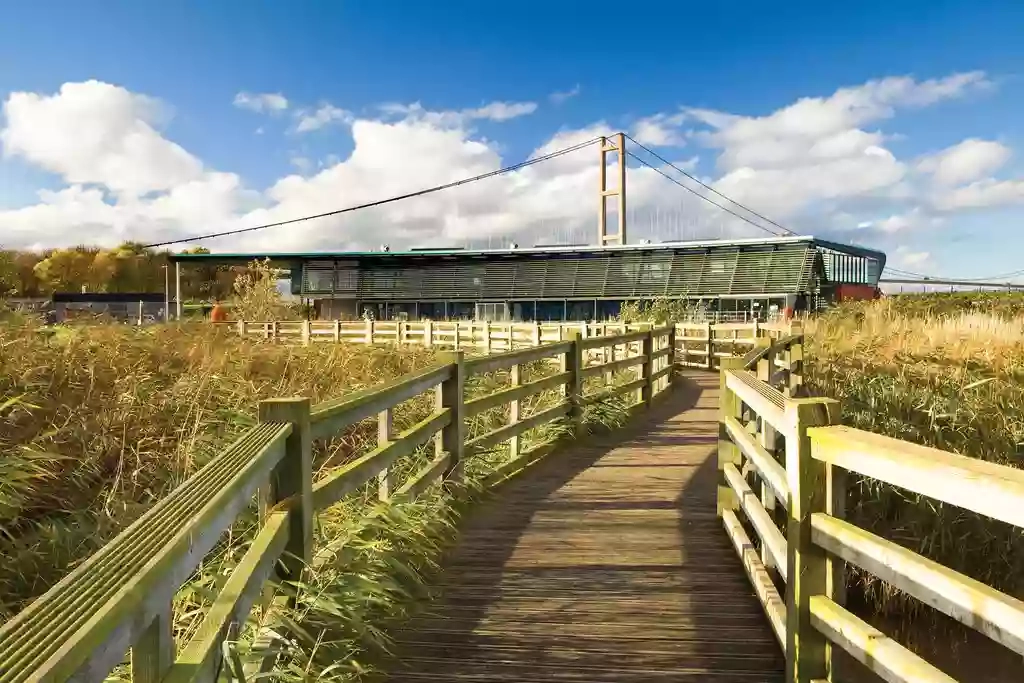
[
  {"x": 241, "y": 328},
  {"x": 337, "y": 331},
  {"x": 428, "y": 333},
  {"x": 711, "y": 349},
  {"x": 536, "y": 333},
  {"x": 292, "y": 480},
  {"x": 647, "y": 368},
  {"x": 513, "y": 411},
  {"x": 796, "y": 368},
  {"x": 671, "y": 357},
  {"x": 449, "y": 394},
  {"x": 385, "y": 429},
  {"x": 813, "y": 488},
  {"x": 728, "y": 452},
  {"x": 369, "y": 330},
  {"x": 307, "y": 330},
  {"x": 274, "y": 331},
  {"x": 153, "y": 653},
  {"x": 487, "y": 336},
  {"x": 572, "y": 362}
]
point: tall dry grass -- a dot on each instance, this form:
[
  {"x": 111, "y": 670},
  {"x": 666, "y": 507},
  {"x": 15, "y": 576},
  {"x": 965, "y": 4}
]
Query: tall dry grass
[
  {"x": 100, "y": 421},
  {"x": 948, "y": 381}
]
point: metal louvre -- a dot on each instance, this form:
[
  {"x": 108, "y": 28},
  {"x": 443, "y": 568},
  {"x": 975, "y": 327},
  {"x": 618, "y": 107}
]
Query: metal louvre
[{"x": 726, "y": 270}]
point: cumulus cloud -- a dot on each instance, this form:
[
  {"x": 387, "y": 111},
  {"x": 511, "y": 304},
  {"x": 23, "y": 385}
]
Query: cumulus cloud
[
  {"x": 261, "y": 102},
  {"x": 965, "y": 162},
  {"x": 660, "y": 130},
  {"x": 905, "y": 257},
  {"x": 97, "y": 133},
  {"x": 324, "y": 115},
  {"x": 806, "y": 164}
]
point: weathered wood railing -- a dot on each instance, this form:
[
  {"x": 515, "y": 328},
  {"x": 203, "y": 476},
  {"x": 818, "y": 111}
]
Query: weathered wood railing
[
  {"x": 700, "y": 345},
  {"x": 799, "y": 458},
  {"x": 120, "y": 599}
]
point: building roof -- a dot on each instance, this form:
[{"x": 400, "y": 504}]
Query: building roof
[{"x": 561, "y": 249}]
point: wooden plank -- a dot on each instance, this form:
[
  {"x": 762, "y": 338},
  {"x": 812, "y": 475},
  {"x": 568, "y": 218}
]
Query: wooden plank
[
  {"x": 997, "y": 615},
  {"x": 773, "y": 604},
  {"x": 200, "y": 659},
  {"x": 598, "y": 342},
  {"x": 770, "y": 535},
  {"x": 616, "y": 390},
  {"x": 983, "y": 487},
  {"x": 500, "y": 434},
  {"x": 520, "y": 462},
  {"x": 422, "y": 480},
  {"x": 503, "y": 361},
  {"x": 86, "y": 639},
  {"x": 768, "y": 468},
  {"x": 344, "y": 480},
  {"x": 869, "y": 646},
  {"x": 595, "y": 370},
  {"x": 153, "y": 652},
  {"x": 763, "y": 400},
  {"x": 500, "y": 398},
  {"x": 331, "y": 418}
]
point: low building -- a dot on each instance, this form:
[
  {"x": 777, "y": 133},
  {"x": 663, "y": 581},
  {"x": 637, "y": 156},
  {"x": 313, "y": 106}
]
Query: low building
[
  {"x": 146, "y": 307},
  {"x": 749, "y": 277}
]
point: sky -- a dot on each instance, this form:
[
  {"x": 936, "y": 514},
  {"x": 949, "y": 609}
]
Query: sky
[{"x": 892, "y": 125}]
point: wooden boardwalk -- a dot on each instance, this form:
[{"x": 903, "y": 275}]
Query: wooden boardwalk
[{"x": 605, "y": 562}]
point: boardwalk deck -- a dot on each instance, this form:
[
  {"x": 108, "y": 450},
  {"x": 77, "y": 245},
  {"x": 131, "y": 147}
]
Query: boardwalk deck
[{"x": 605, "y": 562}]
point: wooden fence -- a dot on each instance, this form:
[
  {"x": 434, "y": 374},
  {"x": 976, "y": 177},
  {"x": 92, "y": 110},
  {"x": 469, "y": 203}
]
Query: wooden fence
[
  {"x": 120, "y": 599},
  {"x": 783, "y": 463},
  {"x": 697, "y": 344}
]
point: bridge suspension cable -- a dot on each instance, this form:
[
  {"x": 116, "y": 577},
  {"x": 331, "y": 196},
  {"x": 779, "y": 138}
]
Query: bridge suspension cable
[
  {"x": 785, "y": 230},
  {"x": 379, "y": 202},
  {"x": 708, "y": 200}
]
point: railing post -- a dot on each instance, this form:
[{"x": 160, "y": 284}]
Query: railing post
[
  {"x": 153, "y": 653},
  {"x": 385, "y": 433},
  {"x": 241, "y": 328},
  {"x": 428, "y": 333},
  {"x": 572, "y": 362},
  {"x": 536, "y": 333},
  {"x": 728, "y": 452},
  {"x": 671, "y": 357},
  {"x": 814, "y": 487},
  {"x": 307, "y": 331},
  {"x": 513, "y": 412},
  {"x": 449, "y": 394},
  {"x": 292, "y": 480},
  {"x": 795, "y": 377},
  {"x": 369, "y": 330},
  {"x": 274, "y": 332},
  {"x": 337, "y": 331},
  {"x": 711, "y": 346},
  {"x": 647, "y": 368},
  {"x": 487, "y": 336}
]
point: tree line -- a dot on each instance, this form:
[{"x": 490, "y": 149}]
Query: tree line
[{"x": 129, "y": 267}]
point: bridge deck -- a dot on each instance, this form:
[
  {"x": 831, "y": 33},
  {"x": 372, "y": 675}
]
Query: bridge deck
[{"x": 605, "y": 562}]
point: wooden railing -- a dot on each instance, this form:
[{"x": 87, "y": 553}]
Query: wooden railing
[
  {"x": 697, "y": 344},
  {"x": 783, "y": 463},
  {"x": 120, "y": 599}
]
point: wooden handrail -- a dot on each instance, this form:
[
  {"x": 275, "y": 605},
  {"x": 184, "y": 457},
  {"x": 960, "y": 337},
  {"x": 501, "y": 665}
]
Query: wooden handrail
[
  {"x": 817, "y": 540},
  {"x": 120, "y": 599}
]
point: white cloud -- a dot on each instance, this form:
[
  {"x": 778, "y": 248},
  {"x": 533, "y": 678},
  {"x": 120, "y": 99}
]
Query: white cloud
[
  {"x": 324, "y": 115},
  {"x": 982, "y": 194},
  {"x": 660, "y": 130},
  {"x": 965, "y": 162},
  {"x": 261, "y": 102},
  {"x": 97, "y": 133},
  {"x": 559, "y": 97},
  {"x": 494, "y": 111},
  {"x": 905, "y": 257},
  {"x": 802, "y": 161}
]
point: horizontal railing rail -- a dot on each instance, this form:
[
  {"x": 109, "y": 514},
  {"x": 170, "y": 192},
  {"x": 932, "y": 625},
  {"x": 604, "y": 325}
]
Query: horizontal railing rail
[
  {"x": 794, "y": 542},
  {"x": 697, "y": 344},
  {"x": 121, "y": 599}
]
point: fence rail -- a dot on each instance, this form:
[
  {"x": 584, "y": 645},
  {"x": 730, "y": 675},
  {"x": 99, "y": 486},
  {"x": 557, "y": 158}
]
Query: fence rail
[
  {"x": 120, "y": 600},
  {"x": 783, "y": 465},
  {"x": 700, "y": 345}
]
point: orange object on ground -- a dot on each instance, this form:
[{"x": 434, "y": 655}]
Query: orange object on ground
[{"x": 218, "y": 314}]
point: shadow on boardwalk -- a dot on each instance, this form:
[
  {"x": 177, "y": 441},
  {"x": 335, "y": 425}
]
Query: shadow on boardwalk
[{"x": 605, "y": 562}]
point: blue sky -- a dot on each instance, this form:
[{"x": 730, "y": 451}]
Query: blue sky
[{"x": 895, "y": 172}]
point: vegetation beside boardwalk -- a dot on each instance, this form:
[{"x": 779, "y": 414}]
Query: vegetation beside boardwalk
[
  {"x": 102, "y": 420},
  {"x": 947, "y": 380}
]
